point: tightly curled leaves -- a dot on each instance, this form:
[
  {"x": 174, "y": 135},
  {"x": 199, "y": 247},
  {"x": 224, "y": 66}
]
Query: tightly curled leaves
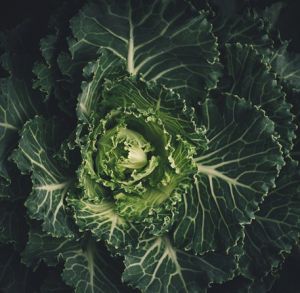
[
  {"x": 161, "y": 135},
  {"x": 138, "y": 156}
]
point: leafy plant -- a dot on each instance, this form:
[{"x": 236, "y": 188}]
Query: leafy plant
[{"x": 150, "y": 144}]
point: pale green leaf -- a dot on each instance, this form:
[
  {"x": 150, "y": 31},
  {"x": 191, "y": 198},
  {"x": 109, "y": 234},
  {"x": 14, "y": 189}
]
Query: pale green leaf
[{"x": 169, "y": 107}]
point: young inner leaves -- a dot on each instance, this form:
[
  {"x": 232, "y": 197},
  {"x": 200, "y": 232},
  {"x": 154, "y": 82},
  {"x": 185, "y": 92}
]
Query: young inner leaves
[{"x": 137, "y": 162}]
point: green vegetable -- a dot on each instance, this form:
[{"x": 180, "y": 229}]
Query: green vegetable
[{"x": 151, "y": 145}]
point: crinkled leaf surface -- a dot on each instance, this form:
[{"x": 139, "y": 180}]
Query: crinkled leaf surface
[
  {"x": 44, "y": 71},
  {"x": 172, "y": 110}
]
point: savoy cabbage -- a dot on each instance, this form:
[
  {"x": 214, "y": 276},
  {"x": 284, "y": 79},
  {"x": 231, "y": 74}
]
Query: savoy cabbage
[{"x": 150, "y": 145}]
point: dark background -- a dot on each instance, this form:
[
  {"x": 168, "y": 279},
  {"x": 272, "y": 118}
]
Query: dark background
[{"x": 13, "y": 12}]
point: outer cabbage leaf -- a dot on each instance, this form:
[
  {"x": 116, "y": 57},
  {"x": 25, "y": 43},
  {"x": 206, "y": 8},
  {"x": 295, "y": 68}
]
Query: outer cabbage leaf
[
  {"x": 13, "y": 225},
  {"x": 16, "y": 107},
  {"x": 84, "y": 259},
  {"x": 50, "y": 79},
  {"x": 43, "y": 247},
  {"x": 250, "y": 77},
  {"x": 245, "y": 27},
  {"x": 261, "y": 285},
  {"x": 107, "y": 66},
  {"x": 257, "y": 29},
  {"x": 271, "y": 15},
  {"x": 179, "y": 51},
  {"x": 157, "y": 266},
  {"x": 50, "y": 181},
  {"x": 18, "y": 102},
  {"x": 91, "y": 270},
  {"x": 44, "y": 71},
  {"x": 275, "y": 229},
  {"x": 104, "y": 222},
  {"x": 53, "y": 85},
  {"x": 234, "y": 174},
  {"x": 287, "y": 65}
]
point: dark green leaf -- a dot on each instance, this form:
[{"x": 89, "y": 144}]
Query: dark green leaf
[{"x": 50, "y": 181}]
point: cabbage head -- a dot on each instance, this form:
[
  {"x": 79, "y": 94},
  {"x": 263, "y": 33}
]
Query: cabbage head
[{"x": 149, "y": 146}]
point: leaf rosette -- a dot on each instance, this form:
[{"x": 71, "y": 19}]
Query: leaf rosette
[{"x": 178, "y": 151}]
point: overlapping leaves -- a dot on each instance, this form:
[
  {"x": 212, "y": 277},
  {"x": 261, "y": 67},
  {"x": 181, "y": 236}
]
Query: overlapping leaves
[{"x": 235, "y": 215}]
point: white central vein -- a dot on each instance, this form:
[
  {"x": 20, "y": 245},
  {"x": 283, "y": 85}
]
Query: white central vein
[
  {"x": 53, "y": 187},
  {"x": 130, "y": 56},
  {"x": 210, "y": 171},
  {"x": 8, "y": 126},
  {"x": 90, "y": 261}
]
